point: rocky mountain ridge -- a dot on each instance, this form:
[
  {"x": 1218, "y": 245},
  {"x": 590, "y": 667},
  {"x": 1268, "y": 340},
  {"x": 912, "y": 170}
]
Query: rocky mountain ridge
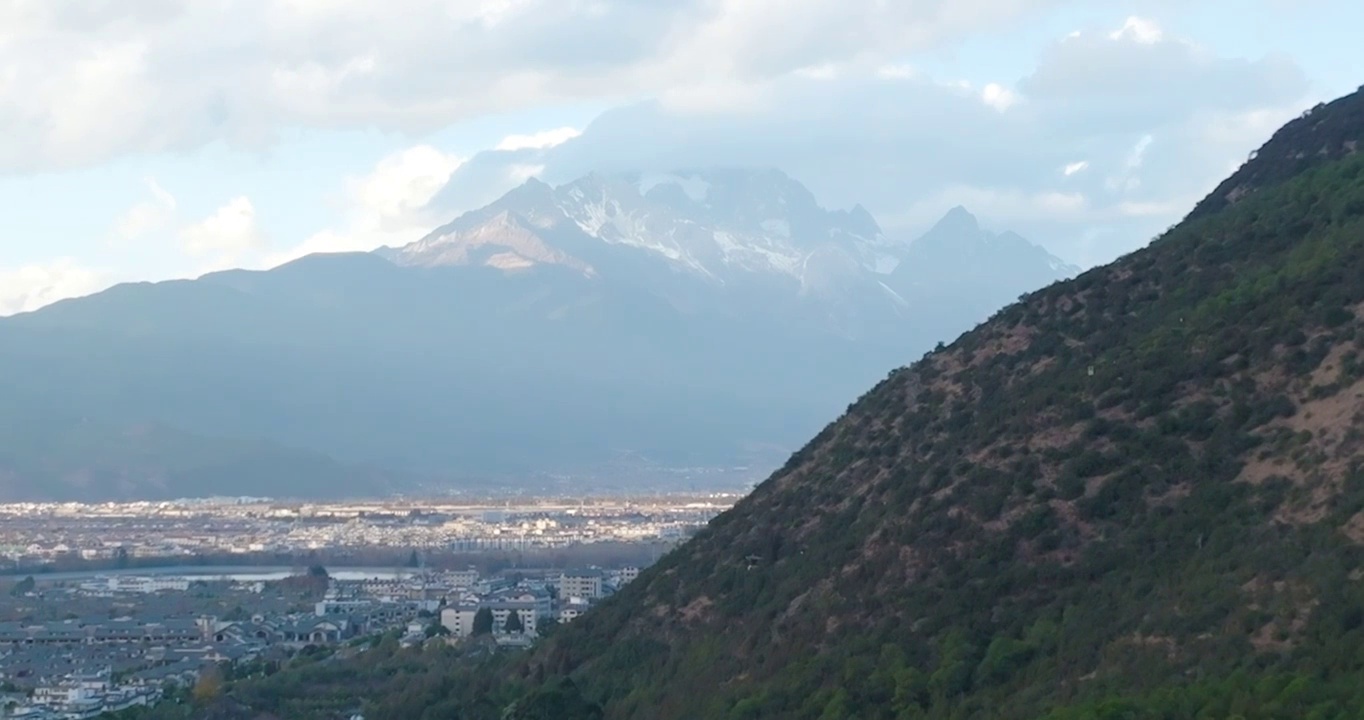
[
  {"x": 730, "y": 237},
  {"x": 712, "y": 223}
]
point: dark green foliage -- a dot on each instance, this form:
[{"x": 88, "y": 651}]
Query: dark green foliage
[
  {"x": 560, "y": 700},
  {"x": 23, "y": 587},
  {"x": 432, "y": 682},
  {"x": 483, "y": 621}
]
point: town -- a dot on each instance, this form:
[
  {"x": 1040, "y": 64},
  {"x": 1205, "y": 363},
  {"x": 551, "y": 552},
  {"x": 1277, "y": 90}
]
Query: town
[
  {"x": 57, "y": 536},
  {"x": 146, "y": 623}
]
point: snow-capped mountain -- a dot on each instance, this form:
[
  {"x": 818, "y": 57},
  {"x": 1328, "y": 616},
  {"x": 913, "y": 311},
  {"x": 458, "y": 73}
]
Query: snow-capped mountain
[
  {"x": 714, "y": 224},
  {"x": 750, "y": 242},
  {"x": 709, "y": 318}
]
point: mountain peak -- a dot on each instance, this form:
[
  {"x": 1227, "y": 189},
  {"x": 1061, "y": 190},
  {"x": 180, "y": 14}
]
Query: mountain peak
[
  {"x": 991, "y": 262},
  {"x": 859, "y": 221},
  {"x": 958, "y": 219},
  {"x": 714, "y": 223},
  {"x": 1322, "y": 134},
  {"x": 746, "y": 229},
  {"x": 533, "y": 191}
]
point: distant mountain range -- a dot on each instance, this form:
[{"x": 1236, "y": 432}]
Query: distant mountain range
[{"x": 709, "y": 317}]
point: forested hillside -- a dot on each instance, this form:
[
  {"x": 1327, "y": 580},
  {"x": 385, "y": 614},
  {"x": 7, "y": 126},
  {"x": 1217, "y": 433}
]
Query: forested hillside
[
  {"x": 1143, "y": 483},
  {"x": 1138, "y": 493}
]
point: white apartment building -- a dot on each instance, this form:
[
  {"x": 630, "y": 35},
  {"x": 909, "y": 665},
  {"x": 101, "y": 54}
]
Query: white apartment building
[
  {"x": 462, "y": 578},
  {"x": 524, "y": 610},
  {"x": 459, "y": 619},
  {"x": 584, "y": 584},
  {"x": 147, "y": 583}
]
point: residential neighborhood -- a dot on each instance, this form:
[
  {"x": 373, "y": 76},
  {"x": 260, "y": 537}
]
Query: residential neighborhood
[{"x": 158, "y": 633}]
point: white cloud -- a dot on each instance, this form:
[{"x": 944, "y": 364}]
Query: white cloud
[
  {"x": 1007, "y": 206},
  {"x": 896, "y": 71},
  {"x": 538, "y": 141},
  {"x": 147, "y": 216},
  {"x": 1139, "y": 30},
  {"x": 227, "y": 236},
  {"x": 520, "y": 172},
  {"x": 403, "y": 182},
  {"x": 388, "y": 206},
  {"x": 1151, "y": 209},
  {"x": 825, "y": 71},
  {"x": 998, "y": 97},
  {"x": 1138, "y": 153},
  {"x": 1131, "y": 86},
  {"x": 1105, "y": 141},
  {"x": 32, "y": 286},
  {"x": 716, "y": 98},
  {"x": 733, "y": 82},
  {"x": 1126, "y": 179},
  {"x": 82, "y": 82}
]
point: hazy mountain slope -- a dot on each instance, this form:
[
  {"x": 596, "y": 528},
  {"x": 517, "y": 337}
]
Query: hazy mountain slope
[
  {"x": 959, "y": 264},
  {"x": 729, "y": 241},
  {"x": 408, "y": 378},
  {"x": 700, "y": 318},
  {"x": 59, "y": 457},
  {"x": 1142, "y": 482}
]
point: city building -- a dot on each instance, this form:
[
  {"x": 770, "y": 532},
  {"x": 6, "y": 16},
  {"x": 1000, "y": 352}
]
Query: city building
[{"x": 585, "y": 584}]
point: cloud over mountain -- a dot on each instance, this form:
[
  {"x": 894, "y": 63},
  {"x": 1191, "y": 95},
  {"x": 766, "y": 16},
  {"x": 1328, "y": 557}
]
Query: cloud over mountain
[
  {"x": 91, "y": 81},
  {"x": 1134, "y": 107},
  {"x": 1094, "y": 140}
]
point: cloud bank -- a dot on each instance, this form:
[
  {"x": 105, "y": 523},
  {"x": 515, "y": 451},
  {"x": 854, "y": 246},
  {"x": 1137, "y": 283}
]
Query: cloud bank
[
  {"x": 82, "y": 82},
  {"x": 1109, "y": 139}
]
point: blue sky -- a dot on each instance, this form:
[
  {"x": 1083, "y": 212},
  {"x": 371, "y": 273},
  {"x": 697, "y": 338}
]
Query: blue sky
[{"x": 167, "y": 139}]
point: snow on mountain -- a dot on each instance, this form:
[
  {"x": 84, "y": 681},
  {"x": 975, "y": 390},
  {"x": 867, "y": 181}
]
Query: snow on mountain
[
  {"x": 716, "y": 224},
  {"x": 695, "y": 187},
  {"x": 507, "y": 241},
  {"x": 745, "y": 242}
]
